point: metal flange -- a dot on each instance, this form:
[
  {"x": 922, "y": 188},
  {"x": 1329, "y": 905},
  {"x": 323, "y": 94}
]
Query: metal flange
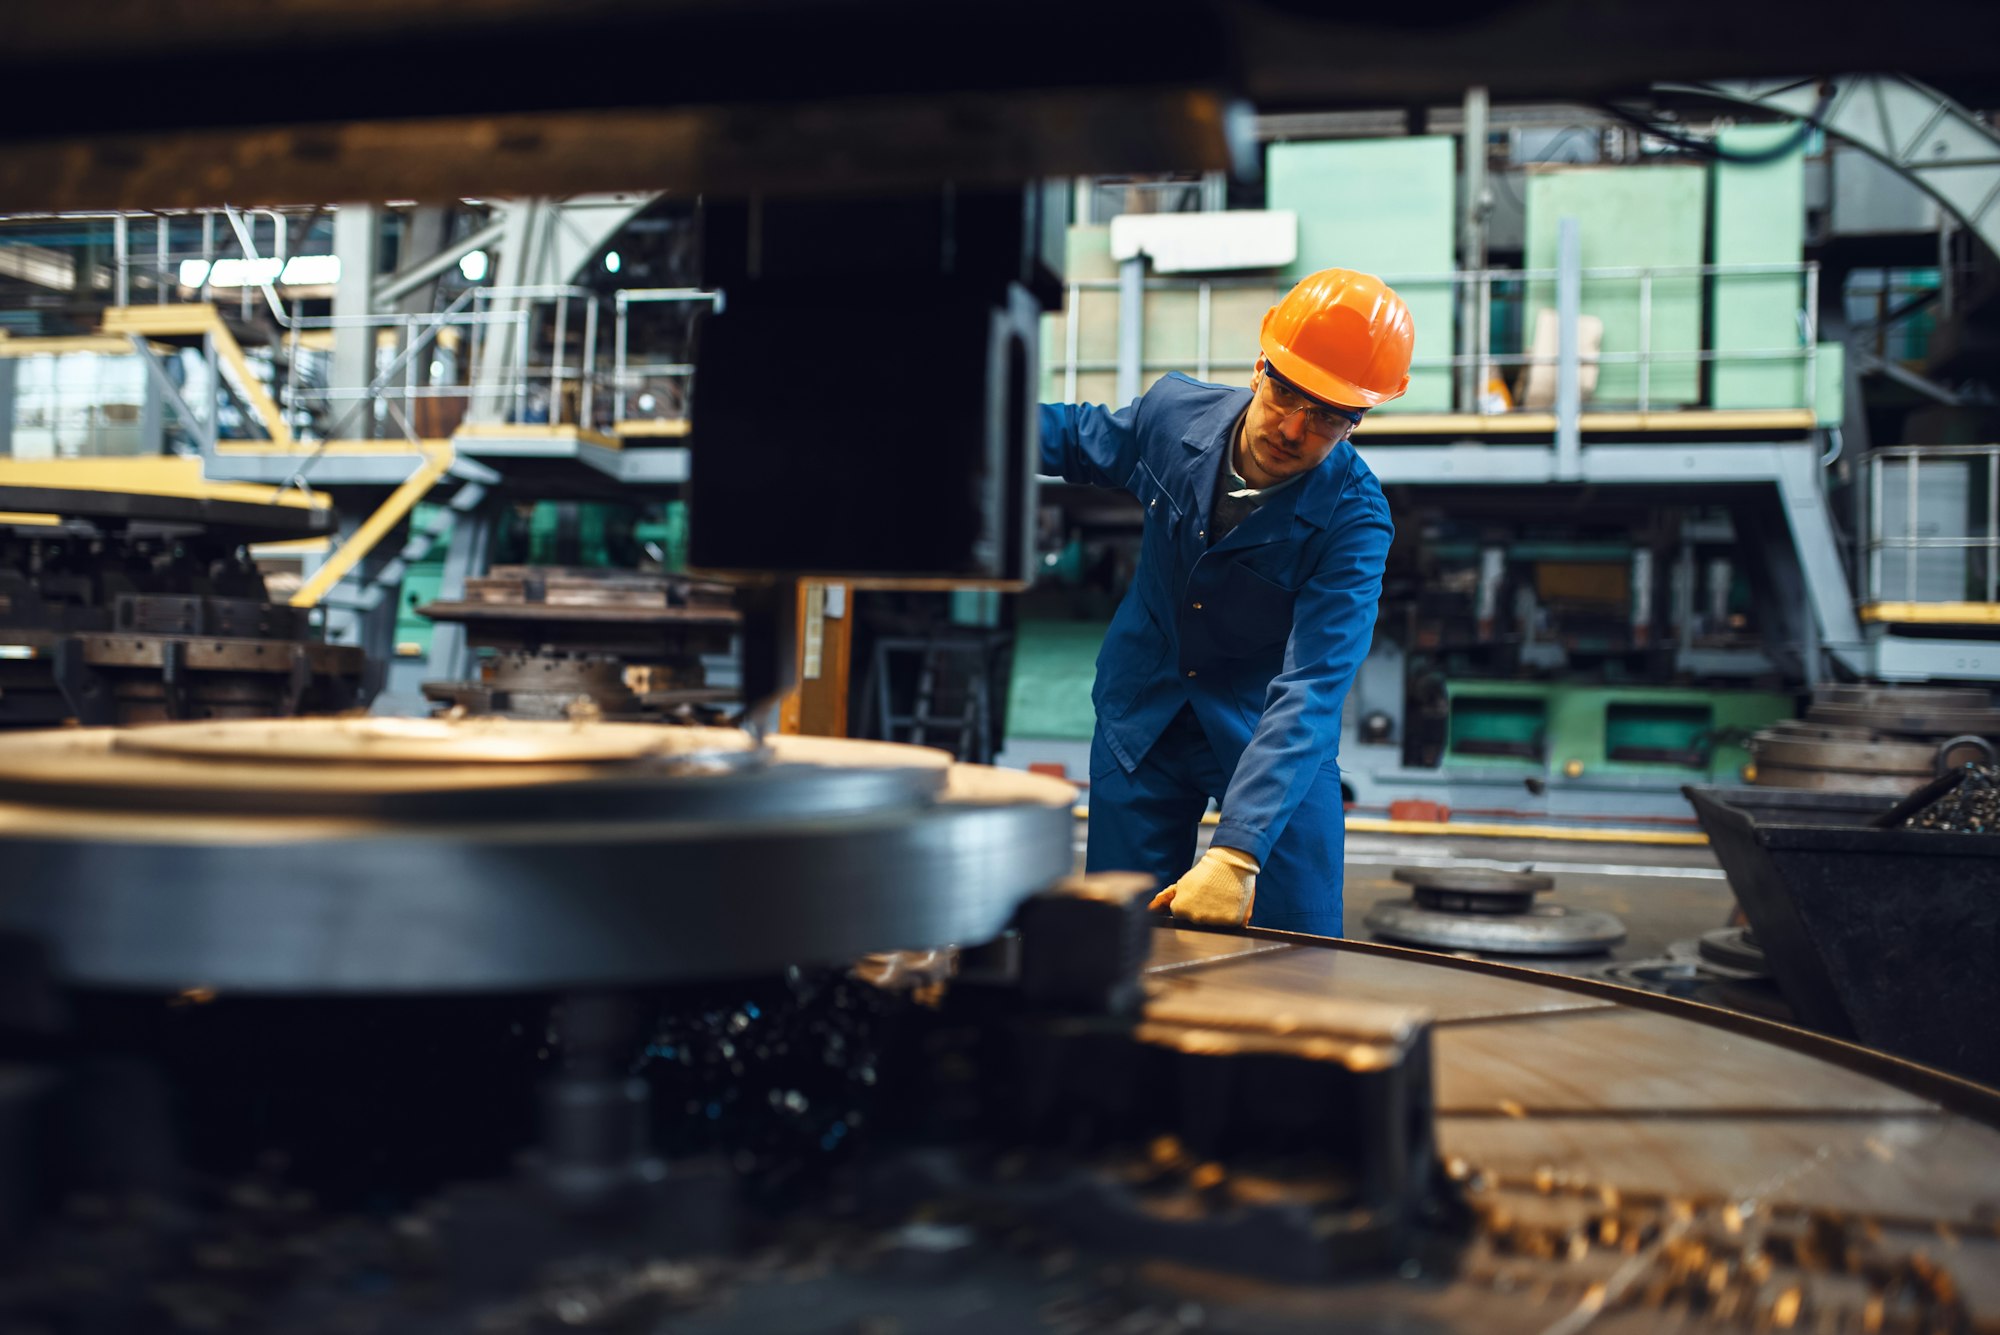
[
  {"x": 602, "y": 875},
  {"x": 1545, "y": 929}
]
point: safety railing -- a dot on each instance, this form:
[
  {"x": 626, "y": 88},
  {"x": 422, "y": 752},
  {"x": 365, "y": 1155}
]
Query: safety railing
[
  {"x": 490, "y": 364},
  {"x": 648, "y": 388},
  {"x": 1624, "y": 304},
  {"x": 1933, "y": 534},
  {"x": 167, "y": 256}
]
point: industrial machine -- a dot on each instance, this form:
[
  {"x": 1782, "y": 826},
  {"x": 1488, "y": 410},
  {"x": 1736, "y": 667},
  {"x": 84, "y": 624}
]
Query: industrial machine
[
  {"x": 516, "y": 1026},
  {"x": 509, "y": 1025},
  {"x": 125, "y": 607}
]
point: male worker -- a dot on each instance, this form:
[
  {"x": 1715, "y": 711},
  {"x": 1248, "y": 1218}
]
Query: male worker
[{"x": 1225, "y": 668}]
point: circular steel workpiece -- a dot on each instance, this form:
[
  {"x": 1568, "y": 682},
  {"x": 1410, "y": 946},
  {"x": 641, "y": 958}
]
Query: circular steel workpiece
[
  {"x": 609, "y": 876},
  {"x": 1545, "y": 929},
  {"x": 1474, "y": 889},
  {"x": 1913, "y": 720},
  {"x": 1475, "y": 880},
  {"x": 666, "y": 772},
  {"x": 1837, "y": 781},
  {"x": 434, "y": 741},
  {"x": 709, "y": 774},
  {"x": 1846, "y": 755},
  {"x": 1733, "y": 948},
  {"x": 1851, "y": 696}
]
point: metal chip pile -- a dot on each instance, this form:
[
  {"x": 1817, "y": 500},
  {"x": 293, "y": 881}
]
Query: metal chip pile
[{"x": 1971, "y": 808}]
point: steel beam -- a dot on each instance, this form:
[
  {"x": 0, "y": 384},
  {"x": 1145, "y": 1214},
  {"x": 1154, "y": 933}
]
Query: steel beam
[
  {"x": 1472, "y": 206},
  {"x": 1569, "y": 381},
  {"x": 394, "y": 287},
  {"x": 1131, "y": 327},
  {"x": 356, "y": 229}
]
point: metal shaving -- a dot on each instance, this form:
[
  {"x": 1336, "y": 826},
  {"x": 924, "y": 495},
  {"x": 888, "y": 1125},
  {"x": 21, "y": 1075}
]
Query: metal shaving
[{"x": 1973, "y": 807}]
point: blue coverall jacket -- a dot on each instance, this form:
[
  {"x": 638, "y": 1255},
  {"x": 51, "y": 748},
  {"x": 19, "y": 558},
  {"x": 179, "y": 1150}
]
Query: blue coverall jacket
[{"x": 1259, "y": 635}]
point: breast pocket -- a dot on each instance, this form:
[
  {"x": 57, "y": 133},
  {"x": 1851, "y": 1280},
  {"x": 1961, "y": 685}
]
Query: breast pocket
[{"x": 1255, "y": 612}]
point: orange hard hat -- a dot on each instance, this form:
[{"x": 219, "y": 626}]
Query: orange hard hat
[{"x": 1342, "y": 336}]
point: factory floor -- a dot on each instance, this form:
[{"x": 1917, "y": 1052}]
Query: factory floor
[{"x": 1662, "y": 893}]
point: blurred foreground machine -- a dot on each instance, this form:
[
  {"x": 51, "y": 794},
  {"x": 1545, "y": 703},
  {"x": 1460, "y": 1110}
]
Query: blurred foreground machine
[{"x": 480, "y": 1025}]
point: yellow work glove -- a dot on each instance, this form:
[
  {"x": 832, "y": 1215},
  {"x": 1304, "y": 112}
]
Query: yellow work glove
[{"x": 1220, "y": 890}]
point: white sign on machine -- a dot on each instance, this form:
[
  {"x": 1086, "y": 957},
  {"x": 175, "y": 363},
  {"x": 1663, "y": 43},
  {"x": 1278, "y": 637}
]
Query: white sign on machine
[{"x": 1208, "y": 242}]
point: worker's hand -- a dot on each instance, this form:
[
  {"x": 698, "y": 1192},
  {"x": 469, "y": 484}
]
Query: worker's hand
[{"x": 1220, "y": 890}]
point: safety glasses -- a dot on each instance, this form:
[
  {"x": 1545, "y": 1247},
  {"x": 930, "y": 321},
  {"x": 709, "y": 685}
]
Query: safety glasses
[{"x": 1322, "y": 420}]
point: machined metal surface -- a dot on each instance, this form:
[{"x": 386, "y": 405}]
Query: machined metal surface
[
  {"x": 503, "y": 771},
  {"x": 1734, "y": 948},
  {"x": 406, "y": 741},
  {"x": 1837, "y": 781},
  {"x": 1475, "y": 880},
  {"x": 1544, "y": 929},
  {"x": 434, "y": 872},
  {"x": 1845, "y": 755},
  {"x": 1908, "y": 711}
]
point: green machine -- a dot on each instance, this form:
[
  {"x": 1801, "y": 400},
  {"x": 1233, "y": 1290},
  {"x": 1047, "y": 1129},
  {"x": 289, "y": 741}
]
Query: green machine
[{"x": 1692, "y": 734}]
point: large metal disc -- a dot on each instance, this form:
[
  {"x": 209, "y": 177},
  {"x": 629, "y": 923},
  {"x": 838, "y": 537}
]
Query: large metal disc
[
  {"x": 471, "y": 770},
  {"x": 1475, "y": 880},
  {"x": 1845, "y": 755},
  {"x": 1547, "y": 929},
  {"x": 500, "y": 856},
  {"x": 1837, "y": 781},
  {"x": 750, "y": 880},
  {"x": 1913, "y": 720},
  {"x": 430, "y": 741},
  {"x": 1734, "y": 948}
]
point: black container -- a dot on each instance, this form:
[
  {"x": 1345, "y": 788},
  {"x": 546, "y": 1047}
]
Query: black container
[{"x": 1888, "y": 937}]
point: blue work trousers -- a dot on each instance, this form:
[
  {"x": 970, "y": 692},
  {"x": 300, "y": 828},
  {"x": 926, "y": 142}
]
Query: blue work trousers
[{"x": 1147, "y": 821}]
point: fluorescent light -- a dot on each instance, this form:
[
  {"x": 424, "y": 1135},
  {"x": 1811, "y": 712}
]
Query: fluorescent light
[
  {"x": 299, "y": 271},
  {"x": 472, "y": 264},
  {"x": 312, "y": 270},
  {"x": 612, "y": 261}
]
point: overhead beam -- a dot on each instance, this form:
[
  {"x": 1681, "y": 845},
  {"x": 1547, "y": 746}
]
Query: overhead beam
[{"x": 394, "y": 286}]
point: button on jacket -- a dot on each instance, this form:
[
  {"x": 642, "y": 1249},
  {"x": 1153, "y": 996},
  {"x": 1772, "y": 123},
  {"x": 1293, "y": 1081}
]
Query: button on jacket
[{"x": 1260, "y": 632}]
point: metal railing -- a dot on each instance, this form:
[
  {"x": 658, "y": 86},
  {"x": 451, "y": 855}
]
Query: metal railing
[
  {"x": 633, "y": 381},
  {"x": 1602, "y": 286},
  {"x": 1933, "y": 524},
  {"x": 500, "y": 383},
  {"x": 515, "y": 377}
]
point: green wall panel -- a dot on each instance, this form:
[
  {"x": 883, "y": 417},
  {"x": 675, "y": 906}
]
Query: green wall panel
[
  {"x": 1759, "y": 218},
  {"x": 1170, "y": 340},
  {"x": 1054, "y": 665},
  {"x": 1630, "y": 217},
  {"x": 1386, "y": 206}
]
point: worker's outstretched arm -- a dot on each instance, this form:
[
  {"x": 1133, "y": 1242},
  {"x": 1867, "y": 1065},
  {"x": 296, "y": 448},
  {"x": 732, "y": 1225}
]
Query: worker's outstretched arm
[
  {"x": 1090, "y": 444},
  {"x": 1333, "y": 620}
]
